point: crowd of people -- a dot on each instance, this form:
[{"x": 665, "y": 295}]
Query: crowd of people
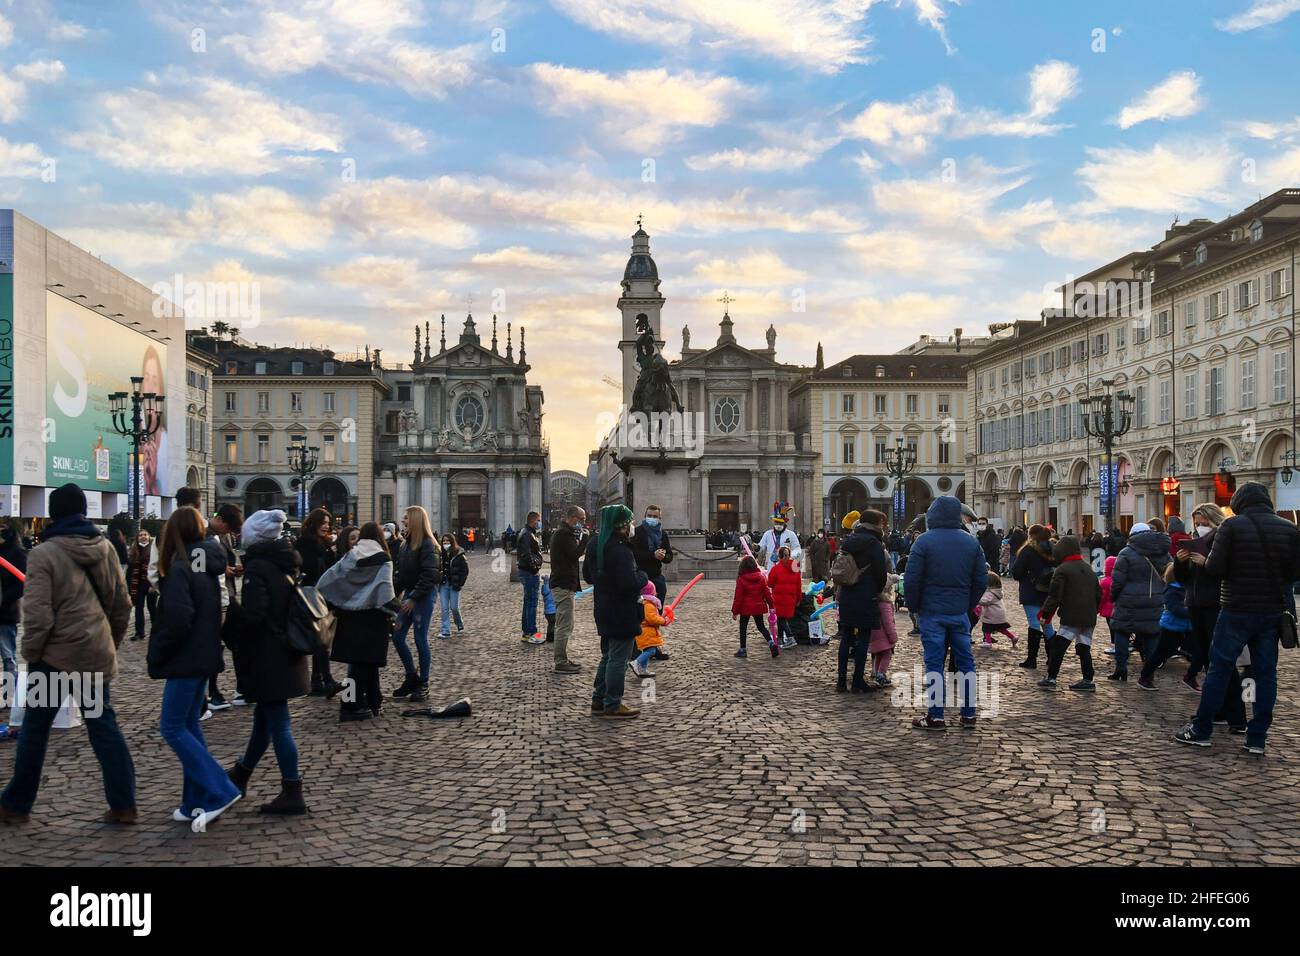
[{"x": 1221, "y": 595}]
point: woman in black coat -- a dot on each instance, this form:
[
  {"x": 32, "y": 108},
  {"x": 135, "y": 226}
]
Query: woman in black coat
[
  {"x": 316, "y": 548},
  {"x": 1032, "y": 567},
  {"x": 359, "y": 588},
  {"x": 269, "y": 672},
  {"x": 185, "y": 650},
  {"x": 416, "y": 579},
  {"x": 610, "y": 567}
]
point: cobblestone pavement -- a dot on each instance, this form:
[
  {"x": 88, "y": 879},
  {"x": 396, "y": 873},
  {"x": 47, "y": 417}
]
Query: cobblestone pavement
[{"x": 751, "y": 761}]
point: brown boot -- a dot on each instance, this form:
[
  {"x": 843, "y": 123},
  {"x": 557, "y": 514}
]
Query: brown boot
[
  {"x": 239, "y": 775},
  {"x": 289, "y": 800},
  {"x": 127, "y": 815},
  {"x": 9, "y": 816}
]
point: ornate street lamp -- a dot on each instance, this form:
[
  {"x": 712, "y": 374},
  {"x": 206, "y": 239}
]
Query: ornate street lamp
[
  {"x": 1101, "y": 423},
  {"x": 304, "y": 459},
  {"x": 900, "y": 463},
  {"x": 136, "y": 415}
]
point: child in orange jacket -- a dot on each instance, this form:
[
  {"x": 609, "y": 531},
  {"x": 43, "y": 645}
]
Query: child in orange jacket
[{"x": 649, "y": 641}]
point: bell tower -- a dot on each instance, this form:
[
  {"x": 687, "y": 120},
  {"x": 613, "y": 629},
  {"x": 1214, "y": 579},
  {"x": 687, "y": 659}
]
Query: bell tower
[{"x": 640, "y": 297}]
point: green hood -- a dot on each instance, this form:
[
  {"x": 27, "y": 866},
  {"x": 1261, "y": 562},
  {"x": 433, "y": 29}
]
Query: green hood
[{"x": 611, "y": 516}]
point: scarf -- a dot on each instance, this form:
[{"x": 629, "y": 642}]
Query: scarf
[
  {"x": 353, "y": 587},
  {"x": 611, "y": 516},
  {"x": 654, "y": 536}
]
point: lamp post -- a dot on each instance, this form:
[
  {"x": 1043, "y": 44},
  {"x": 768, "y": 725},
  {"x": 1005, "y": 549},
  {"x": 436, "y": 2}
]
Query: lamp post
[
  {"x": 303, "y": 462},
  {"x": 1100, "y": 422},
  {"x": 900, "y": 463},
  {"x": 136, "y": 415}
]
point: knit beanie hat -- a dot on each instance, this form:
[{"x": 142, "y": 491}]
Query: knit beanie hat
[
  {"x": 67, "y": 500},
  {"x": 263, "y": 526}
]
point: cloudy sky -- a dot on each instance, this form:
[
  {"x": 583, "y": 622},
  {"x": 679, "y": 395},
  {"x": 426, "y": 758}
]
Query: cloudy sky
[{"x": 896, "y": 166}]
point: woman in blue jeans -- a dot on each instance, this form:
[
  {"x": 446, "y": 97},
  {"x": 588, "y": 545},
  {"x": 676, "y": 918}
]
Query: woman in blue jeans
[
  {"x": 1031, "y": 568},
  {"x": 269, "y": 672},
  {"x": 455, "y": 572},
  {"x": 185, "y": 650},
  {"x": 416, "y": 580}
]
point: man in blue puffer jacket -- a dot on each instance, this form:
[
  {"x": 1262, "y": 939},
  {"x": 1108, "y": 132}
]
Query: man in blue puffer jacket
[{"x": 946, "y": 577}]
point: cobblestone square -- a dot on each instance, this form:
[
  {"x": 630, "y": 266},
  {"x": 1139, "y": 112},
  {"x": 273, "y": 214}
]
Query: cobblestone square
[{"x": 752, "y": 761}]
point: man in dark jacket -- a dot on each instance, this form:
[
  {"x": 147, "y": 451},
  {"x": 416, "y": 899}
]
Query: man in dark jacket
[
  {"x": 1137, "y": 589},
  {"x": 1256, "y": 555},
  {"x": 652, "y": 549},
  {"x": 610, "y": 567},
  {"x": 859, "y": 612},
  {"x": 946, "y": 577},
  {"x": 1075, "y": 593},
  {"x": 819, "y": 556},
  {"x": 566, "y": 548},
  {"x": 529, "y": 560},
  {"x": 990, "y": 543}
]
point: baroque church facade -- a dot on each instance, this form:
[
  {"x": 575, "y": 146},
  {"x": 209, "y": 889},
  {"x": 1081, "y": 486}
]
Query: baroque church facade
[
  {"x": 462, "y": 434},
  {"x": 739, "y": 400}
]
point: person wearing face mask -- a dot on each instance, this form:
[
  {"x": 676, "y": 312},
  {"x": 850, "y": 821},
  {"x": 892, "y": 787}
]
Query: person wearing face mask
[
  {"x": 566, "y": 549},
  {"x": 455, "y": 572},
  {"x": 652, "y": 549},
  {"x": 529, "y": 560},
  {"x": 1202, "y": 593},
  {"x": 819, "y": 556},
  {"x": 990, "y": 542},
  {"x": 780, "y": 536},
  {"x": 610, "y": 568}
]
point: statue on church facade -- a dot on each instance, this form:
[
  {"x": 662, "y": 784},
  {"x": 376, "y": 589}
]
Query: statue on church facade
[{"x": 654, "y": 391}]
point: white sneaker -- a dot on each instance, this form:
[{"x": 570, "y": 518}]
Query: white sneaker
[
  {"x": 201, "y": 820},
  {"x": 179, "y": 816},
  {"x": 206, "y": 714},
  {"x": 238, "y": 700}
]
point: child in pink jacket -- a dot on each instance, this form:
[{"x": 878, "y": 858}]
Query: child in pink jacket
[
  {"x": 1107, "y": 607},
  {"x": 993, "y": 616},
  {"x": 884, "y": 637}
]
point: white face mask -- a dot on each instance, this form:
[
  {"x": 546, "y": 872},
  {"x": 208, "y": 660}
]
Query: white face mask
[
  {"x": 1203, "y": 529},
  {"x": 984, "y": 526}
]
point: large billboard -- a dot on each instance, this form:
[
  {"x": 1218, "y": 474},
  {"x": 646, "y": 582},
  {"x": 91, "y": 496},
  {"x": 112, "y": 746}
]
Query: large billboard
[
  {"x": 89, "y": 356},
  {"x": 6, "y": 377}
]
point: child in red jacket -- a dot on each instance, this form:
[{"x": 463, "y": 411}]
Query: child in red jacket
[
  {"x": 753, "y": 598},
  {"x": 786, "y": 584}
]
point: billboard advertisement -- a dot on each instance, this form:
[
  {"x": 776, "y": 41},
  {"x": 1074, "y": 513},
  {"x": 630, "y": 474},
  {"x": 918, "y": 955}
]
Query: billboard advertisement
[
  {"x": 89, "y": 356},
  {"x": 6, "y": 378}
]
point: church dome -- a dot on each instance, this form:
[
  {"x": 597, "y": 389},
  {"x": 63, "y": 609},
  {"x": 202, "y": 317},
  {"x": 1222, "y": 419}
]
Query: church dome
[{"x": 640, "y": 265}]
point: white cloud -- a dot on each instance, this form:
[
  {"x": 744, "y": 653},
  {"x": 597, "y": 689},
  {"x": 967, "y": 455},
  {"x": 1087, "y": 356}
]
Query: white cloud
[
  {"x": 358, "y": 39},
  {"x": 1261, "y": 13},
  {"x": 645, "y": 109},
  {"x": 1165, "y": 178},
  {"x": 906, "y": 128},
  {"x": 1050, "y": 85},
  {"x": 6, "y": 31},
  {"x": 964, "y": 207},
  {"x": 205, "y": 127},
  {"x": 911, "y": 252},
  {"x": 13, "y": 88},
  {"x": 1176, "y": 96},
  {"x": 1091, "y": 241},
  {"x": 263, "y": 220},
  {"x": 763, "y": 268},
  {"x": 41, "y": 71},
  {"x": 522, "y": 258},
  {"x": 1284, "y": 170},
  {"x": 63, "y": 30},
  {"x": 763, "y": 159},
  {"x": 19, "y": 159}
]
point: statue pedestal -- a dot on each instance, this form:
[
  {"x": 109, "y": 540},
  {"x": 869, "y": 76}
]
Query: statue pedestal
[{"x": 660, "y": 481}]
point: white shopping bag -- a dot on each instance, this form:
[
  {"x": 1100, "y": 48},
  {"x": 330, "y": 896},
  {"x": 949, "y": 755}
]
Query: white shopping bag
[
  {"x": 816, "y": 634},
  {"x": 69, "y": 714}
]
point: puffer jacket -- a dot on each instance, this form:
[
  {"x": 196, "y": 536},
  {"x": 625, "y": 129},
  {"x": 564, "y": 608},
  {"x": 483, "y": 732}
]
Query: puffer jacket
[
  {"x": 753, "y": 597},
  {"x": 946, "y": 572},
  {"x": 858, "y": 605},
  {"x": 787, "y": 587},
  {"x": 1255, "y": 555},
  {"x": 187, "y": 640},
  {"x": 1137, "y": 583},
  {"x": 266, "y": 668},
  {"x": 1029, "y": 564},
  {"x": 75, "y": 602},
  {"x": 455, "y": 569},
  {"x": 1175, "y": 616},
  {"x": 651, "y": 621},
  {"x": 994, "y": 612},
  {"x": 1106, "y": 607},
  {"x": 417, "y": 571},
  {"x": 1202, "y": 586},
  {"x": 1075, "y": 593}
]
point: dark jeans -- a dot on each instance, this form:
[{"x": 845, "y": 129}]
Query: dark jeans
[
  {"x": 1203, "y": 621},
  {"x": 1160, "y": 646},
  {"x": 854, "y": 640},
  {"x": 421, "y": 616},
  {"x": 1235, "y": 630},
  {"x": 105, "y": 739},
  {"x": 532, "y": 588},
  {"x": 758, "y": 623},
  {"x": 271, "y": 728},
  {"x": 661, "y": 587},
  {"x": 365, "y": 679},
  {"x": 607, "y": 689},
  {"x": 320, "y": 670},
  {"x": 143, "y": 600}
]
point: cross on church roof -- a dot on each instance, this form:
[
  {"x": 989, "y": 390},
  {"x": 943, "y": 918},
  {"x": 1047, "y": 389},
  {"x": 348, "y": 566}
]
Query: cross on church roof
[
  {"x": 726, "y": 300},
  {"x": 639, "y": 217},
  {"x": 469, "y": 302}
]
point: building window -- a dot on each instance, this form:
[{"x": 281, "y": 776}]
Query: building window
[
  {"x": 911, "y": 447},
  {"x": 1164, "y": 403},
  {"x": 1214, "y": 398},
  {"x": 232, "y": 367},
  {"x": 1248, "y": 383},
  {"x": 1281, "y": 372},
  {"x": 329, "y": 403},
  {"x": 881, "y": 451},
  {"x": 1006, "y": 375},
  {"x": 1189, "y": 396},
  {"x": 1045, "y": 363},
  {"x": 1063, "y": 356},
  {"x": 295, "y": 368},
  {"x": 1121, "y": 337},
  {"x": 259, "y": 368},
  {"x": 231, "y": 402},
  {"x": 295, "y": 402},
  {"x": 232, "y": 450},
  {"x": 403, "y": 393},
  {"x": 1277, "y": 284},
  {"x": 1189, "y": 314},
  {"x": 1140, "y": 406},
  {"x": 1063, "y": 423},
  {"x": 880, "y": 404},
  {"x": 328, "y": 368},
  {"x": 1216, "y": 305},
  {"x": 1256, "y": 231},
  {"x": 264, "y": 402},
  {"x": 945, "y": 406},
  {"x": 880, "y": 371},
  {"x": 726, "y": 415},
  {"x": 1202, "y": 254},
  {"x": 945, "y": 453},
  {"x": 1246, "y": 294},
  {"x": 1163, "y": 325},
  {"x": 911, "y": 404},
  {"x": 263, "y": 449},
  {"x": 327, "y": 453},
  {"x": 847, "y": 404},
  {"x": 469, "y": 415},
  {"x": 847, "y": 371},
  {"x": 1101, "y": 343},
  {"x": 848, "y": 451},
  {"x": 385, "y": 508}
]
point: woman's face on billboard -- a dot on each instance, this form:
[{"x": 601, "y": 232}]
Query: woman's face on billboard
[{"x": 153, "y": 382}]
